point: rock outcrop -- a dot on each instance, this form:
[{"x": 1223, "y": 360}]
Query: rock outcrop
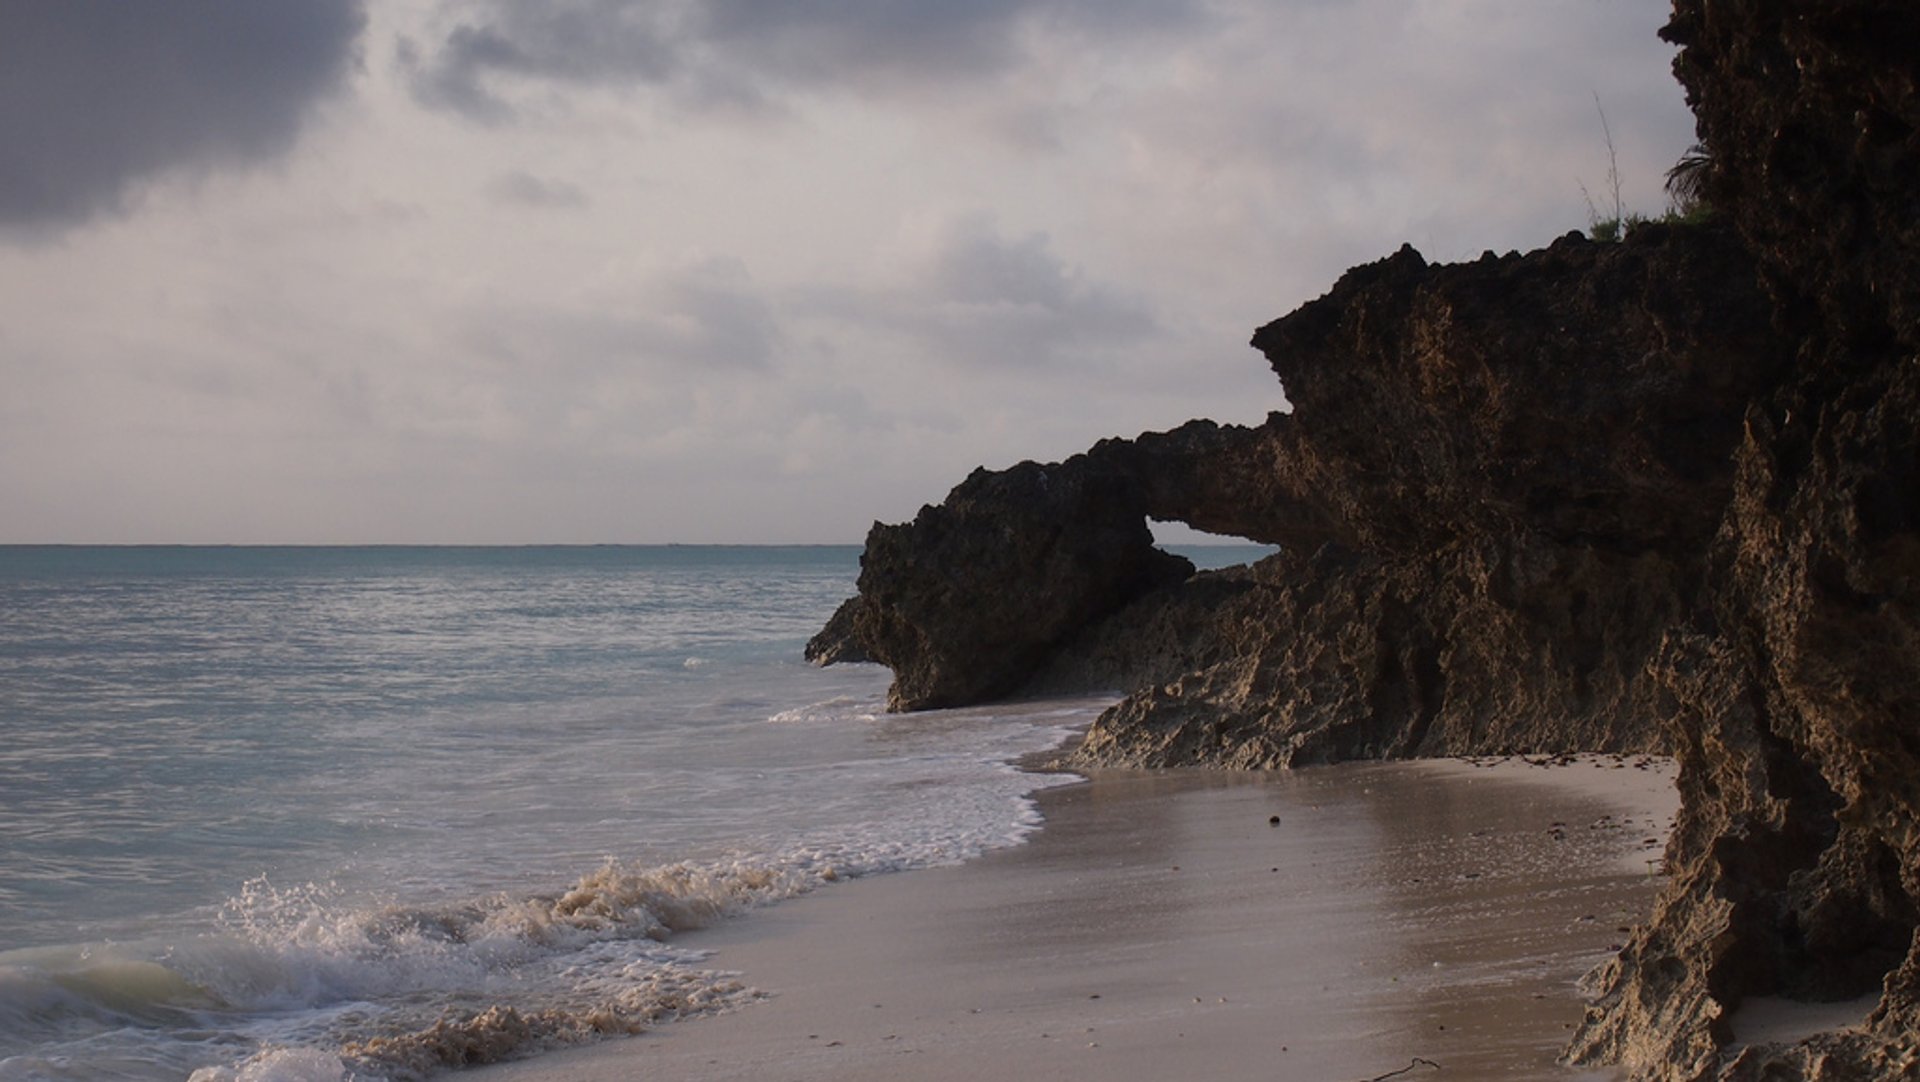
[
  {"x": 1660, "y": 493},
  {"x": 1796, "y": 861},
  {"x": 1493, "y": 495},
  {"x": 962, "y": 601}
]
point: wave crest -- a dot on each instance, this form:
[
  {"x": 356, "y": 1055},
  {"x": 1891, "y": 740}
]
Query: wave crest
[{"x": 502, "y": 1032}]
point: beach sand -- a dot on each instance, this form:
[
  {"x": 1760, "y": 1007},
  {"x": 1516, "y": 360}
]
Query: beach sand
[{"x": 1161, "y": 926}]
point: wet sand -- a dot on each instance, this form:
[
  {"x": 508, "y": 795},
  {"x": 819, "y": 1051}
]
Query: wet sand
[{"x": 1162, "y": 926}]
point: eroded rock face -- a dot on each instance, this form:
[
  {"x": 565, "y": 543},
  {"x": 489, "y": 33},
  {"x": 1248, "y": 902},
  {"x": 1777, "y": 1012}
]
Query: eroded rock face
[
  {"x": 1796, "y": 862},
  {"x": 964, "y": 602},
  {"x": 1494, "y": 495},
  {"x": 1658, "y": 493},
  {"x": 1586, "y": 393},
  {"x": 1476, "y": 648},
  {"x": 1514, "y": 467},
  {"x": 981, "y": 592}
]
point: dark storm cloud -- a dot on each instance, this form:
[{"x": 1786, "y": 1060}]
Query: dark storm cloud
[
  {"x": 96, "y": 95},
  {"x": 731, "y": 48},
  {"x": 579, "y": 41},
  {"x": 830, "y": 40}
]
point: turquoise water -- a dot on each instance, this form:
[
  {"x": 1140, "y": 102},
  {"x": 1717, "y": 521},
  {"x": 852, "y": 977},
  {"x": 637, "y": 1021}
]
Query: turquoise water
[{"x": 289, "y": 813}]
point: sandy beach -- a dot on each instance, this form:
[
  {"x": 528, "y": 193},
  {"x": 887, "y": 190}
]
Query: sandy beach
[{"x": 1332, "y": 923}]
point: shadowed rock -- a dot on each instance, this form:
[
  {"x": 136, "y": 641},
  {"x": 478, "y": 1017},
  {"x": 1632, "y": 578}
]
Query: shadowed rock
[
  {"x": 1796, "y": 859},
  {"x": 963, "y": 602},
  {"x": 1661, "y": 493},
  {"x": 1493, "y": 495}
]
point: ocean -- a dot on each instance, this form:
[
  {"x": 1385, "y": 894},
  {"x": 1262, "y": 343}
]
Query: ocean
[{"x": 291, "y": 814}]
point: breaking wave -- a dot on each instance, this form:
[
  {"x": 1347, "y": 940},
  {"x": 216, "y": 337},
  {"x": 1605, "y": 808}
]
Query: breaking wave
[
  {"x": 394, "y": 992},
  {"x": 446, "y": 761},
  {"x": 832, "y": 710},
  {"x": 320, "y": 987}
]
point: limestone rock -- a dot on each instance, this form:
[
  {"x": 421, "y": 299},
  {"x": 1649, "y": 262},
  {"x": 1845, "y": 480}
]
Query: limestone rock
[
  {"x": 1494, "y": 495},
  {"x": 1796, "y": 861},
  {"x": 1664, "y": 492},
  {"x": 964, "y": 602}
]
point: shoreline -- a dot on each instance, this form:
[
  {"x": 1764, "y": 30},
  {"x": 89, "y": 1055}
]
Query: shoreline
[{"x": 1161, "y": 924}]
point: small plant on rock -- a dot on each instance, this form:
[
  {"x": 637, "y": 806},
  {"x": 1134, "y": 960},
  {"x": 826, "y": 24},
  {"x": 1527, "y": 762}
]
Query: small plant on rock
[
  {"x": 1687, "y": 186},
  {"x": 1602, "y": 225}
]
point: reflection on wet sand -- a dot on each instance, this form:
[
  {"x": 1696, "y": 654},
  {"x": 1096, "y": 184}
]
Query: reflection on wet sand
[
  {"x": 1505, "y": 893},
  {"x": 1329, "y": 923}
]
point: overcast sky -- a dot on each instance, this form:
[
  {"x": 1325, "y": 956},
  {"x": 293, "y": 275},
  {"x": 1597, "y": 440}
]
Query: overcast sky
[{"x": 721, "y": 270}]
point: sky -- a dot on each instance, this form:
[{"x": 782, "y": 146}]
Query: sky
[{"x": 753, "y": 271}]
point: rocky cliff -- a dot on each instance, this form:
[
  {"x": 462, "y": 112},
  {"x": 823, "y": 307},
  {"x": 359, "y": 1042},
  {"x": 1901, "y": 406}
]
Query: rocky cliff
[
  {"x": 1493, "y": 495},
  {"x": 1796, "y": 691},
  {"x": 1653, "y": 494}
]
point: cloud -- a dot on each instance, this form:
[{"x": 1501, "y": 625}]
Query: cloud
[
  {"x": 98, "y": 95},
  {"x": 735, "y": 52},
  {"x": 977, "y": 232},
  {"x": 707, "y": 318},
  {"x": 523, "y": 188},
  {"x": 814, "y": 44},
  {"x": 576, "y": 41},
  {"x": 972, "y": 297},
  {"x": 1020, "y": 299}
]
